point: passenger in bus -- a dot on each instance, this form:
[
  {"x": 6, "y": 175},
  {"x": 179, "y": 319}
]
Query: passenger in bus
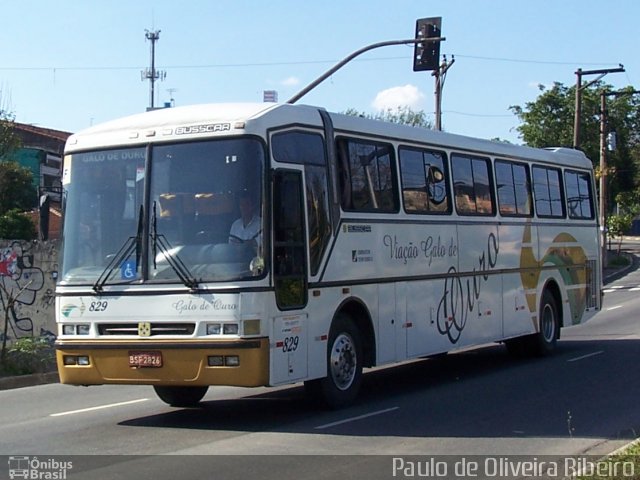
[{"x": 247, "y": 228}]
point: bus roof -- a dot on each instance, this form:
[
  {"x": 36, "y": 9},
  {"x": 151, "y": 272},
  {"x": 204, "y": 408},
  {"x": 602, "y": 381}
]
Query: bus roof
[{"x": 171, "y": 124}]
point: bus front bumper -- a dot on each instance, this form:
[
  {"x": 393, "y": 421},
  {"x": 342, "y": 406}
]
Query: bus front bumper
[{"x": 243, "y": 363}]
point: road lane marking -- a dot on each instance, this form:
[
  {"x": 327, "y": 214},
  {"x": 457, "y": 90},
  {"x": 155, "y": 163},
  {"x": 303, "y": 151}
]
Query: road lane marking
[
  {"x": 614, "y": 308},
  {"x": 353, "y": 419},
  {"x": 99, "y": 407},
  {"x": 588, "y": 355},
  {"x": 634, "y": 289}
]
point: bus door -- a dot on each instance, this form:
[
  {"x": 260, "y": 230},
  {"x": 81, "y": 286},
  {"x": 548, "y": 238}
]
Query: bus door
[{"x": 290, "y": 326}]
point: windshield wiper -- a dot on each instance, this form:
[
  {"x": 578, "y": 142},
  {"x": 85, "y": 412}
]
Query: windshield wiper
[
  {"x": 160, "y": 242},
  {"x": 130, "y": 245}
]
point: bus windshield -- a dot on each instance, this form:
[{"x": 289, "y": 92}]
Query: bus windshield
[{"x": 202, "y": 219}]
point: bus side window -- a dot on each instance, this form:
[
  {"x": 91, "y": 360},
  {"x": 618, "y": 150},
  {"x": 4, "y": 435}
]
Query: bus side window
[
  {"x": 514, "y": 189},
  {"x": 472, "y": 185},
  {"x": 367, "y": 177},
  {"x": 425, "y": 184},
  {"x": 579, "y": 197},
  {"x": 547, "y": 192}
]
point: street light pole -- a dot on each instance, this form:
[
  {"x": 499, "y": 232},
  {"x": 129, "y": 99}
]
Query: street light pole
[{"x": 347, "y": 59}]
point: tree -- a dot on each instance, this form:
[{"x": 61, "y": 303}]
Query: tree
[
  {"x": 9, "y": 141},
  {"x": 548, "y": 122},
  {"x": 403, "y": 115},
  {"x": 16, "y": 187}
]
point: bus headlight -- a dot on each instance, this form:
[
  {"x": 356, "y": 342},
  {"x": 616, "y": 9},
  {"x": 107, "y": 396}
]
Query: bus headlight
[
  {"x": 232, "y": 361},
  {"x": 72, "y": 329},
  {"x": 83, "y": 329},
  {"x": 213, "y": 328},
  {"x": 68, "y": 329},
  {"x": 230, "y": 329},
  {"x": 82, "y": 360}
]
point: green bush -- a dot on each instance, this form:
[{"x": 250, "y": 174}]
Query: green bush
[
  {"x": 15, "y": 225},
  {"x": 29, "y": 355}
]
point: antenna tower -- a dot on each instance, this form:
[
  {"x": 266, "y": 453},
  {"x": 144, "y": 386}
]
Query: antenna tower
[{"x": 152, "y": 74}]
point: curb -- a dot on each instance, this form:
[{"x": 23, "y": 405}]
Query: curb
[{"x": 8, "y": 383}]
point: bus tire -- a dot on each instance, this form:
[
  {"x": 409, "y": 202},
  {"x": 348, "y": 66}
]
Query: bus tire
[
  {"x": 180, "y": 396},
  {"x": 344, "y": 366},
  {"x": 544, "y": 342}
]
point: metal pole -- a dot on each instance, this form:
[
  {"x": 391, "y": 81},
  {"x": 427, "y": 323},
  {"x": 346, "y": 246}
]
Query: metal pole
[
  {"x": 438, "y": 93},
  {"x": 603, "y": 175},
  {"x": 347, "y": 59},
  {"x": 440, "y": 75},
  {"x": 578, "y": 110}
]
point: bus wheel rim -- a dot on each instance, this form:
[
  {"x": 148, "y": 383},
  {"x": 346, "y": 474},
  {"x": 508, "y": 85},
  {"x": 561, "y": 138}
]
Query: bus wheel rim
[
  {"x": 547, "y": 324},
  {"x": 343, "y": 361}
]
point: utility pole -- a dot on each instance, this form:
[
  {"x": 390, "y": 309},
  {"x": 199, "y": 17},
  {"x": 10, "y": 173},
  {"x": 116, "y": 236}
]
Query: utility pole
[
  {"x": 440, "y": 76},
  {"x": 152, "y": 74},
  {"x": 579, "y": 87},
  {"x": 602, "y": 203}
]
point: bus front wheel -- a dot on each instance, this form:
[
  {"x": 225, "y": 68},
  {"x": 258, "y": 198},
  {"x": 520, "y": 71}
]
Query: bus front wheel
[
  {"x": 180, "y": 396},
  {"x": 344, "y": 366}
]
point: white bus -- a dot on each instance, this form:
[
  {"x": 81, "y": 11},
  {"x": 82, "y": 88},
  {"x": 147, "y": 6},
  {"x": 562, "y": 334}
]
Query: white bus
[{"x": 266, "y": 244}]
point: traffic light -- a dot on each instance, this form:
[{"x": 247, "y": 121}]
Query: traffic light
[{"x": 426, "y": 54}]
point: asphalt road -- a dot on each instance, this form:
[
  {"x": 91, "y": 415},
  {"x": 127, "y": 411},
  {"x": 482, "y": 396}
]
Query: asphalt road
[{"x": 480, "y": 402}]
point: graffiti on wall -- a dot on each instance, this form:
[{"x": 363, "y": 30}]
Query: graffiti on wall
[{"x": 25, "y": 299}]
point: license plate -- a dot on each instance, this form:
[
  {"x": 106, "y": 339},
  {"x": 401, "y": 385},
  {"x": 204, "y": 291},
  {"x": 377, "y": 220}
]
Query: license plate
[{"x": 145, "y": 359}]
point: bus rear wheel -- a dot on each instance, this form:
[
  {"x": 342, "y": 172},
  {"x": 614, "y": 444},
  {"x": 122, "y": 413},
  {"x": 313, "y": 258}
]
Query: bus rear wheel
[
  {"x": 180, "y": 396},
  {"x": 544, "y": 341},
  {"x": 344, "y": 366}
]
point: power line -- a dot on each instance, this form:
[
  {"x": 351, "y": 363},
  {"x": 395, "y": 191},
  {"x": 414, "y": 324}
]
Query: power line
[
  {"x": 534, "y": 62},
  {"x": 289, "y": 63}
]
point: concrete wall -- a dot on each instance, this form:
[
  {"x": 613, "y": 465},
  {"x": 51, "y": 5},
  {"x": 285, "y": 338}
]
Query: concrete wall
[{"x": 27, "y": 271}]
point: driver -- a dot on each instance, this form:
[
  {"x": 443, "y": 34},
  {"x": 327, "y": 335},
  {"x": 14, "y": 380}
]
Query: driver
[{"x": 247, "y": 228}]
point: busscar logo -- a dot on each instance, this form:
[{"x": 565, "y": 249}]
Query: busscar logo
[
  {"x": 35, "y": 468},
  {"x": 356, "y": 228},
  {"x": 209, "y": 128}
]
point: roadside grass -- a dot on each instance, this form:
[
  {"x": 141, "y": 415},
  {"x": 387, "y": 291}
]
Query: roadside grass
[
  {"x": 623, "y": 465},
  {"x": 614, "y": 260}
]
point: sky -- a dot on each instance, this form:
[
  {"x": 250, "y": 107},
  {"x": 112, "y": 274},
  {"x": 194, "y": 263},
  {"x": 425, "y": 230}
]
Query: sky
[{"x": 70, "y": 64}]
